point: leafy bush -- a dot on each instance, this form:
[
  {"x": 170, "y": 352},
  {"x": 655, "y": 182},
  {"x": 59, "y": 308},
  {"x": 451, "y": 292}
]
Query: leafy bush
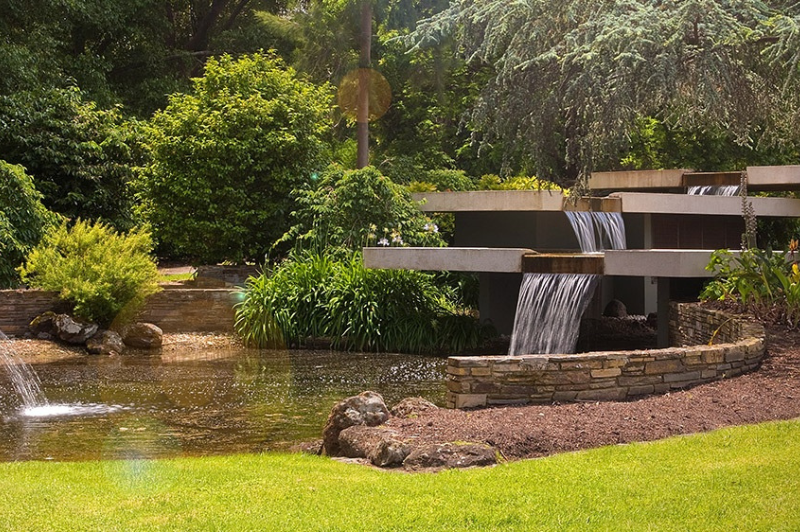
[
  {"x": 23, "y": 220},
  {"x": 314, "y": 296},
  {"x": 445, "y": 180},
  {"x": 758, "y": 281},
  {"x": 226, "y": 157},
  {"x": 99, "y": 271},
  {"x": 495, "y": 182},
  {"x": 82, "y": 157},
  {"x": 354, "y": 208}
]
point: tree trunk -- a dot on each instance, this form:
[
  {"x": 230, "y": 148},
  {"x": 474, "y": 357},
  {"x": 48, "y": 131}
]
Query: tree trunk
[{"x": 362, "y": 113}]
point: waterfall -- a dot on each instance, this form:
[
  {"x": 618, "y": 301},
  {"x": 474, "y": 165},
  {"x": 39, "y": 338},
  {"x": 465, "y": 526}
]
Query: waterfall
[
  {"x": 23, "y": 378},
  {"x": 597, "y": 231},
  {"x": 550, "y": 305},
  {"x": 726, "y": 190}
]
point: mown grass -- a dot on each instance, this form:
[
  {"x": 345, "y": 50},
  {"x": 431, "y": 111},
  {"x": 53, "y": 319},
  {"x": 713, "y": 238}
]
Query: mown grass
[{"x": 745, "y": 478}]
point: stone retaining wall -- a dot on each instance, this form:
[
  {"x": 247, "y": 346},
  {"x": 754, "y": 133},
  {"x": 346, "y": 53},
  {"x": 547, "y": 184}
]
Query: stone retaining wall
[
  {"x": 612, "y": 376},
  {"x": 174, "y": 311}
]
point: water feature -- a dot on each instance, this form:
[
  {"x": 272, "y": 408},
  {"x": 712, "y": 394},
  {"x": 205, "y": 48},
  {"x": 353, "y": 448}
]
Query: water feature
[
  {"x": 23, "y": 379},
  {"x": 709, "y": 190},
  {"x": 597, "y": 231},
  {"x": 214, "y": 401},
  {"x": 550, "y": 306}
]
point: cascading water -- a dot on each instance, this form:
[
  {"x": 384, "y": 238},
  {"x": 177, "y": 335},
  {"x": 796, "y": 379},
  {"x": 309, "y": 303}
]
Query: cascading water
[
  {"x": 550, "y": 305},
  {"x": 726, "y": 190},
  {"x": 23, "y": 378}
]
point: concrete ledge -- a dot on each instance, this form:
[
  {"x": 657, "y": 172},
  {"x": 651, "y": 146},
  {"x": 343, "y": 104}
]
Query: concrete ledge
[
  {"x": 637, "y": 180},
  {"x": 641, "y": 202},
  {"x": 773, "y": 177},
  {"x": 498, "y": 260},
  {"x": 736, "y": 347},
  {"x": 491, "y": 200},
  {"x": 658, "y": 262}
]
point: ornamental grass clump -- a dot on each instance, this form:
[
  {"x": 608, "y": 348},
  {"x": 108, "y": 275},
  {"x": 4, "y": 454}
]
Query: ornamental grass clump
[
  {"x": 94, "y": 268},
  {"x": 314, "y": 295}
]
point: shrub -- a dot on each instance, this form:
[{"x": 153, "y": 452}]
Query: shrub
[
  {"x": 444, "y": 180},
  {"x": 315, "y": 296},
  {"x": 226, "y": 157},
  {"x": 764, "y": 283},
  {"x": 81, "y": 157},
  {"x": 354, "y": 208},
  {"x": 23, "y": 220},
  {"x": 99, "y": 271},
  {"x": 494, "y": 182}
]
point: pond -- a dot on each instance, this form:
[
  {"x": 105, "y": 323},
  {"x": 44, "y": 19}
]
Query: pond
[{"x": 218, "y": 401}]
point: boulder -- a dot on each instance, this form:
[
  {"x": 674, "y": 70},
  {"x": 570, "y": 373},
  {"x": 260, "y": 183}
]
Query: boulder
[
  {"x": 105, "y": 343},
  {"x": 389, "y": 452},
  {"x": 359, "y": 441},
  {"x": 366, "y": 408},
  {"x": 412, "y": 407},
  {"x": 142, "y": 335},
  {"x": 449, "y": 456},
  {"x": 43, "y": 326},
  {"x": 64, "y": 327},
  {"x": 615, "y": 309}
]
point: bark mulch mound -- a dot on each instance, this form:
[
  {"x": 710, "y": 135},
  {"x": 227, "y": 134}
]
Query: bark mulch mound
[{"x": 770, "y": 393}]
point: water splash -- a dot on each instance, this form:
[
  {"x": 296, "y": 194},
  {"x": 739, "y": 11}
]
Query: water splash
[
  {"x": 550, "y": 306},
  {"x": 23, "y": 378},
  {"x": 708, "y": 190},
  {"x": 597, "y": 231}
]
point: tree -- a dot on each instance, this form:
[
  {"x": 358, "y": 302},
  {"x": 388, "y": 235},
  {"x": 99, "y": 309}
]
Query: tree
[
  {"x": 572, "y": 78},
  {"x": 23, "y": 220},
  {"x": 226, "y": 157},
  {"x": 82, "y": 157}
]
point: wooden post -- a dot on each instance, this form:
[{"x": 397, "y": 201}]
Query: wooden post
[{"x": 362, "y": 113}]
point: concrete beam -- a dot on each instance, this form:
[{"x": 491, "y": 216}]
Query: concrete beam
[
  {"x": 491, "y": 200},
  {"x": 637, "y": 180},
  {"x": 658, "y": 262},
  {"x": 712, "y": 179},
  {"x": 773, "y": 177},
  {"x": 497, "y": 260},
  {"x": 653, "y": 203}
]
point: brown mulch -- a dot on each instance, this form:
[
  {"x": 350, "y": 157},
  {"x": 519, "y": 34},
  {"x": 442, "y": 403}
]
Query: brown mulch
[{"x": 769, "y": 393}]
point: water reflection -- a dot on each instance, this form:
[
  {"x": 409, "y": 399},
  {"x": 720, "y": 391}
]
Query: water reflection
[{"x": 199, "y": 403}]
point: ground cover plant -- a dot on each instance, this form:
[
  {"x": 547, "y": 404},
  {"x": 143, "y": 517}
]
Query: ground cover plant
[
  {"x": 96, "y": 269},
  {"x": 741, "y": 478}
]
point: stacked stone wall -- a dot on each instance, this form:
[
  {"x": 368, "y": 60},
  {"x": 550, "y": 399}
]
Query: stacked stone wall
[
  {"x": 173, "y": 310},
  {"x": 738, "y": 347}
]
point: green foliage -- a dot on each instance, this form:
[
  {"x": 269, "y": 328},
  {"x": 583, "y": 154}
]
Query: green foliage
[
  {"x": 23, "y": 220},
  {"x": 445, "y": 180},
  {"x": 495, "y": 182},
  {"x": 312, "y": 295},
  {"x": 99, "y": 271},
  {"x": 759, "y": 281},
  {"x": 226, "y": 157},
  {"x": 82, "y": 157},
  {"x": 575, "y": 76},
  {"x": 355, "y": 208}
]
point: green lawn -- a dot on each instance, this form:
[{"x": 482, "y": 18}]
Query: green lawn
[{"x": 745, "y": 478}]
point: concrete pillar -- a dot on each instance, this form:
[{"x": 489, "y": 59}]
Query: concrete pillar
[{"x": 663, "y": 311}]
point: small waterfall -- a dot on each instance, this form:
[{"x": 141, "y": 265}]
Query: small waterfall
[
  {"x": 550, "y": 306},
  {"x": 597, "y": 231},
  {"x": 726, "y": 190},
  {"x": 23, "y": 378}
]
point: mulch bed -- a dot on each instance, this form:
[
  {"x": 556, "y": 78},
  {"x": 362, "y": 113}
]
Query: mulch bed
[{"x": 769, "y": 393}]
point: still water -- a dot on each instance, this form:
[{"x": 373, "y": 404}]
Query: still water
[{"x": 218, "y": 401}]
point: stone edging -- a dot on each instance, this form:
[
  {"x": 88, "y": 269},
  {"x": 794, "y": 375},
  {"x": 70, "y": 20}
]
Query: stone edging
[{"x": 614, "y": 375}]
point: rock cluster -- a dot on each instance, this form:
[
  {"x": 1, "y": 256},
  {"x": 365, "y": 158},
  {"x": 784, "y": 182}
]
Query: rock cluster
[
  {"x": 76, "y": 331},
  {"x": 354, "y": 430}
]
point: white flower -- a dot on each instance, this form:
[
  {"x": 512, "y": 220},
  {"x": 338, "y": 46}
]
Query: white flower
[
  {"x": 383, "y": 242},
  {"x": 396, "y": 239},
  {"x": 431, "y": 227}
]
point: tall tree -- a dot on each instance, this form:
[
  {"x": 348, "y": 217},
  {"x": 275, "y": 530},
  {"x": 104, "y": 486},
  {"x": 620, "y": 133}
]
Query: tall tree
[{"x": 573, "y": 77}]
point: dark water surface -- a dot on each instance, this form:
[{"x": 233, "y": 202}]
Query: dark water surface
[{"x": 199, "y": 403}]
